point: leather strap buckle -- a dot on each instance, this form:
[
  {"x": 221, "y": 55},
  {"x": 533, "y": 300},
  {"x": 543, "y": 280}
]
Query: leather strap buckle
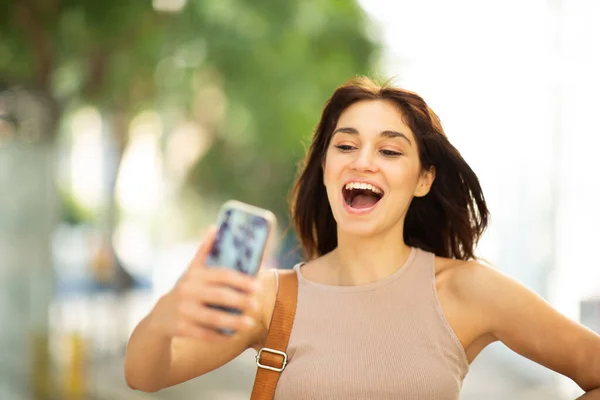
[{"x": 272, "y": 351}]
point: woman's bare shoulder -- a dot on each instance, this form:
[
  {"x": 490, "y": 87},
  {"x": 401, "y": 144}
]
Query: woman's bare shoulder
[
  {"x": 463, "y": 275},
  {"x": 313, "y": 269},
  {"x": 476, "y": 287},
  {"x": 459, "y": 286}
]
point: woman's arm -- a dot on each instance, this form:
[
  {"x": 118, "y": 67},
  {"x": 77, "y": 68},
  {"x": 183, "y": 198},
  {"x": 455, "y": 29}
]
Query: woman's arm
[
  {"x": 179, "y": 341},
  {"x": 527, "y": 324},
  {"x": 154, "y": 361}
]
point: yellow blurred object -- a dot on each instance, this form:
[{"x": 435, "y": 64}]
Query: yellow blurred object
[
  {"x": 75, "y": 368},
  {"x": 42, "y": 380}
]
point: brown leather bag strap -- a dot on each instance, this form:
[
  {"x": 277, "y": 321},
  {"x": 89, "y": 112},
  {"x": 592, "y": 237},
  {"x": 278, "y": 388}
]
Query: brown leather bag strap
[{"x": 272, "y": 358}]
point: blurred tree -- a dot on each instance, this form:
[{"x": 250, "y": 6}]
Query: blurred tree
[
  {"x": 68, "y": 53},
  {"x": 254, "y": 75},
  {"x": 278, "y": 63}
]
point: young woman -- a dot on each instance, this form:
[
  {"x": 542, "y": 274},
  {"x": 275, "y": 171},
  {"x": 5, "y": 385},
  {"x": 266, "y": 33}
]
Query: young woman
[{"x": 392, "y": 302}]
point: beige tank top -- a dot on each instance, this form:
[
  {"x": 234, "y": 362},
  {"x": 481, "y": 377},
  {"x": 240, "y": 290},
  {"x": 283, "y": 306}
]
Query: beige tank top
[{"x": 384, "y": 340}]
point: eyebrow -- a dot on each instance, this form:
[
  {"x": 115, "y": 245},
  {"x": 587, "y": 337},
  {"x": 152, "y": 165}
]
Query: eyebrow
[{"x": 386, "y": 133}]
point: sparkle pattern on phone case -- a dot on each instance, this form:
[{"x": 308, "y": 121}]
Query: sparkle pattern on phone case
[{"x": 239, "y": 242}]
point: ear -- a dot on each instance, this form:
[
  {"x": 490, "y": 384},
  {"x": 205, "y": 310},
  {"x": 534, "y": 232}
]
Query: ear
[{"x": 425, "y": 182}]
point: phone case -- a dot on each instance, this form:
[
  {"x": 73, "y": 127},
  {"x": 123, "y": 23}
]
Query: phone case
[{"x": 243, "y": 232}]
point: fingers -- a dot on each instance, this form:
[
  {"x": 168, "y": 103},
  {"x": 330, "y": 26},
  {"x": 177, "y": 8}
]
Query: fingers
[
  {"x": 217, "y": 319},
  {"x": 229, "y": 277},
  {"x": 204, "y": 248},
  {"x": 196, "y": 317},
  {"x": 194, "y": 301},
  {"x": 229, "y": 298},
  {"x": 197, "y": 280}
]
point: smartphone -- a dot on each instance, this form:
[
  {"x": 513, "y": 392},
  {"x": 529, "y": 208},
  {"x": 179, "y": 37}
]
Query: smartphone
[{"x": 243, "y": 233}]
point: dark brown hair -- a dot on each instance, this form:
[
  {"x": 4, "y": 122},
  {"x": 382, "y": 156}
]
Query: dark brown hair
[{"x": 448, "y": 221}]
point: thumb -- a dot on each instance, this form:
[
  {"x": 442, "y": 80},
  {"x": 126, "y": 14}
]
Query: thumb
[{"x": 199, "y": 259}]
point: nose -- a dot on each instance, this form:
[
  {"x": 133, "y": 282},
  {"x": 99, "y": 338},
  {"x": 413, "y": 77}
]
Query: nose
[{"x": 364, "y": 161}]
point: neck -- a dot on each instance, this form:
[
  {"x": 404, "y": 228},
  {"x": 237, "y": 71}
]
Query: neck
[{"x": 362, "y": 260}]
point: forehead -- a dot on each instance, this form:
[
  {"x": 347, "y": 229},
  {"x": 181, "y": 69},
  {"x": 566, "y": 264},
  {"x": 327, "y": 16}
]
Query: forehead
[{"x": 374, "y": 116}]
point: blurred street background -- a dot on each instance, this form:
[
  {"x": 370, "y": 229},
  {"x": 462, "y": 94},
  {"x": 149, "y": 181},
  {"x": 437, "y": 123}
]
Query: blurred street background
[{"x": 125, "y": 124}]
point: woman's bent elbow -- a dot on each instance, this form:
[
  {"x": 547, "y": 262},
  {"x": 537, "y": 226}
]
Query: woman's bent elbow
[
  {"x": 140, "y": 384},
  {"x": 142, "y": 388}
]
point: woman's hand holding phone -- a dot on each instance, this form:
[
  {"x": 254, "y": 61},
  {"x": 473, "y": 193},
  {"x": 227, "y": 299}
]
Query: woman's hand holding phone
[{"x": 186, "y": 310}]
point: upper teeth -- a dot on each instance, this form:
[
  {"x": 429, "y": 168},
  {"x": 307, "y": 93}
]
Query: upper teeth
[{"x": 362, "y": 185}]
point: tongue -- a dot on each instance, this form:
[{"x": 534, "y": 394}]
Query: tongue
[{"x": 364, "y": 201}]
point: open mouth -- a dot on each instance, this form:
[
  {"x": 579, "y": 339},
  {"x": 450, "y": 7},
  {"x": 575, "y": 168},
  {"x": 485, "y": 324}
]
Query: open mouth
[{"x": 361, "y": 195}]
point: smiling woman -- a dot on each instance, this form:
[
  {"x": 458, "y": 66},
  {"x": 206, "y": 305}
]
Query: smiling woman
[
  {"x": 391, "y": 301},
  {"x": 391, "y": 131}
]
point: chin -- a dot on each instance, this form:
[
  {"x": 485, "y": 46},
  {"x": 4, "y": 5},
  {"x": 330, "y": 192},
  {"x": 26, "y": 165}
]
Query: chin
[{"x": 359, "y": 229}]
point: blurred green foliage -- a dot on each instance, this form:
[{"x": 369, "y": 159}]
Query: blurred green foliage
[
  {"x": 72, "y": 212},
  {"x": 279, "y": 61},
  {"x": 275, "y": 61}
]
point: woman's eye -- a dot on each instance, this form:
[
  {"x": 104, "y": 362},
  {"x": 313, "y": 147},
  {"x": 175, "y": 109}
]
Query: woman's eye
[
  {"x": 390, "y": 153},
  {"x": 344, "y": 147}
]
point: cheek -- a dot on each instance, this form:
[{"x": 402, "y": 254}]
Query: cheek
[
  {"x": 329, "y": 170},
  {"x": 328, "y": 181},
  {"x": 328, "y": 177},
  {"x": 405, "y": 178}
]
